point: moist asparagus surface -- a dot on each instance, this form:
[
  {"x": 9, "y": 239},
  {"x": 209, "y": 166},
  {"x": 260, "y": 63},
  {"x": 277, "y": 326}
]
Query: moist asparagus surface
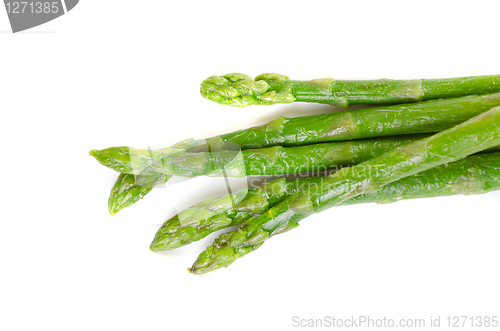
[
  {"x": 475, "y": 135},
  {"x": 241, "y": 90},
  {"x": 210, "y": 215},
  {"x": 128, "y": 189},
  {"x": 423, "y": 117},
  {"x": 267, "y": 161},
  {"x": 430, "y": 116},
  {"x": 276, "y": 160},
  {"x": 476, "y": 174}
]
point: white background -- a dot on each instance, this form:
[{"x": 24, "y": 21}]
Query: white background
[{"x": 113, "y": 73}]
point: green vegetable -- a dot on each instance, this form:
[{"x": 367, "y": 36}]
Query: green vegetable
[
  {"x": 475, "y": 174},
  {"x": 429, "y": 116},
  {"x": 210, "y": 215},
  {"x": 129, "y": 189},
  {"x": 423, "y": 117},
  {"x": 268, "y": 89},
  {"x": 472, "y": 136},
  {"x": 266, "y": 161}
]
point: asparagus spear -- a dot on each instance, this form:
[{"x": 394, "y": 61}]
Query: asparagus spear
[
  {"x": 373, "y": 122},
  {"x": 476, "y": 174},
  {"x": 240, "y": 90},
  {"x": 129, "y": 189},
  {"x": 210, "y": 215},
  {"x": 430, "y": 116},
  {"x": 270, "y": 161},
  {"x": 265, "y": 161},
  {"x": 423, "y": 117},
  {"x": 477, "y": 134}
]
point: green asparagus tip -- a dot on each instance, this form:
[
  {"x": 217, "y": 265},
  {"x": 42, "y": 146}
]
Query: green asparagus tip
[
  {"x": 113, "y": 205},
  {"x": 220, "y": 254},
  {"x": 118, "y": 158},
  {"x": 97, "y": 154},
  {"x": 157, "y": 245},
  {"x": 154, "y": 245},
  {"x": 240, "y": 90},
  {"x": 198, "y": 271},
  {"x": 101, "y": 157}
]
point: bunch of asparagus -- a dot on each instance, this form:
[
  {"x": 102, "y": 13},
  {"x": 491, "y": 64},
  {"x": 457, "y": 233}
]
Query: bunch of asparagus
[{"x": 385, "y": 154}]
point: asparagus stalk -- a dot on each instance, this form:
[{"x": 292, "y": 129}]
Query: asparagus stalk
[
  {"x": 475, "y": 135},
  {"x": 240, "y": 90},
  {"x": 429, "y": 116},
  {"x": 129, "y": 189},
  {"x": 213, "y": 214},
  {"x": 423, "y": 117},
  {"x": 276, "y": 160},
  {"x": 476, "y": 174}
]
